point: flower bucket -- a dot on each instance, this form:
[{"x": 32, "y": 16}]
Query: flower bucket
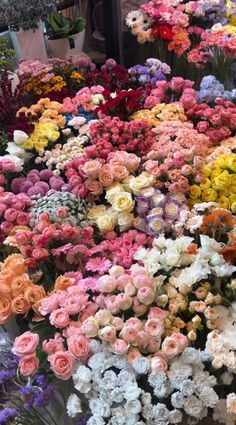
[
  {"x": 29, "y": 44},
  {"x": 61, "y": 47}
]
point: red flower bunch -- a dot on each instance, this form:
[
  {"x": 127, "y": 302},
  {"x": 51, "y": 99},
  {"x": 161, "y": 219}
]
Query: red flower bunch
[
  {"x": 163, "y": 31},
  {"x": 124, "y": 103},
  {"x": 10, "y": 102},
  {"x": 110, "y": 134},
  {"x": 110, "y": 77}
]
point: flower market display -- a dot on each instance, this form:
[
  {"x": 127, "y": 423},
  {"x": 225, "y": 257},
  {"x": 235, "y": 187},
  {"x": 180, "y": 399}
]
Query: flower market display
[{"x": 118, "y": 232}]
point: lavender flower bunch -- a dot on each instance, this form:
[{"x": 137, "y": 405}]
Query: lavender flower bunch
[
  {"x": 152, "y": 71},
  {"x": 211, "y": 88},
  {"x": 157, "y": 212},
  {"x": 24, "y": 14}
]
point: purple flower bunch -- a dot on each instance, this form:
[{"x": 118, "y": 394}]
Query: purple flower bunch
[
  {"x": 157, "y": 212},
  {"x": 152, "y": 71},
  {"x": 38, "y": 183}
]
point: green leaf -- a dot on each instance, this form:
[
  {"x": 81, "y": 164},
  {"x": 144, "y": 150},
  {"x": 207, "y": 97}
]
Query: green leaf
[{"x": 62, "y": 27}]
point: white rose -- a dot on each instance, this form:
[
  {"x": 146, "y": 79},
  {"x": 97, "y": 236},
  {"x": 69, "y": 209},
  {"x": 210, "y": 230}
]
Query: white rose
[
  {"x": 20, "y": 136},
  {"x": 106, "y": 222},
  {"x": 138, "y": 183}
]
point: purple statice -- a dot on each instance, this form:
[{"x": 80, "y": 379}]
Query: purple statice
[
  {"x": 39, "y": 394},
  {"x": 8, "y": 414}
]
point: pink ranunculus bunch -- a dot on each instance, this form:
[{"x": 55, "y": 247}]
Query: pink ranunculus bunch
[
  {"x": 13, "y": 210},
  {"x": 176, "y": 156},
  {"x": 38, "y": 183},
  {"x": 112, "y": 134},
  {"x": 217, "y": 122},
  {"x": 88, "y": 98}
]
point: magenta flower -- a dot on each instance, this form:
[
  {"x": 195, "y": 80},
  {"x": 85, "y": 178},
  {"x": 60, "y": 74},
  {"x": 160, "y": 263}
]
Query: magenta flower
[{"x": 100, "y": 265}]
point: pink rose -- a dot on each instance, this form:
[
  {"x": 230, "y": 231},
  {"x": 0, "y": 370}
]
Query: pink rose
[
  {"x": 154, "y": 328},
  {"x": 129, "y": 334},
  {"x": 119, "y": 347},
  {"x": 156, "y": 313},
  {"x": 107, "y": 283},
  {"x": 59, "y": 318},
  {"x": 74, "y": 328},
  {"x": 25, "y": 344},
  {"x": 146, "y": 295},
  {"x": 139, "y": 308},
  {"x": 91, "y": 168},
  {"x": 74, "y": 304},
  {"x": 124, "y": 302},
  {"x": 118, "y": 323},
  {"x": 62, "y": 365},
  {"x": 111, "y": 304},
  {"x": 135, "y": 323},
  {"x": 29, "y": 365},
  {"x": 40, "y": 254},
  {"x": 108, "y": 333},
  {"x": 170, "y": 347},
  {"x": 141, "y": 279},
  {"x": 181, "y": 339},
  {"x": 158, "y": 364},
  {"x": 176, "y": 83},
  {"x": 48, "y": 304},
  {"x": 78, "y": 346},
  {"x": 142, "y": 339},
  {"x": 123, "y": 280},
  {"x": 153, "y": 345},
  {"x": 52, "y": 345}
]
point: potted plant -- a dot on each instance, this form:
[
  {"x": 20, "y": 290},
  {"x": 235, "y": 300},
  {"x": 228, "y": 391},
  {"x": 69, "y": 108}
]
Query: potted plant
[
  {"x": 66, "y": 30},
  {"x": 24, "y": 19}
]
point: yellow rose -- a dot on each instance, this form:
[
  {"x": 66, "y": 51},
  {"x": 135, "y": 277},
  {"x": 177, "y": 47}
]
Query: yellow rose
[
  {"x": 232, "y": 199},
  {"x": 231, "y": 162},
  {"x": 106, "y": 222},
  {"x": 233, "y": 207},
  {"x": 223, "y": 202},
  {"x": 209, "y": 195},
  {"x": 96, "y": 212},
  {"x": 125, "y": 220},
  {"x": 113, "y": 191},
  {"x": 126, "y": 183},
  {"x": 215, "y": 173},
  {"x": 194, "y": 191},
  {"x": 233, "y": 179},
  {"x": 223, "y": 180},
  {"x": 138, "y": 183},
  {"x": 123, "y": 201},
  {"x": 224, "y": 192},
  {"x": 207, "y": 171},
  {"x": 221, "y": 162},
  {"x": 205, "y": 184}
]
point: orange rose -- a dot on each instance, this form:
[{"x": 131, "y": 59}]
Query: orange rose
[
  {"x": 106, "y": 176},
  {"x": 5, "y": 291},
  {"x": 5, "y": 310},
  {"x": 15, "y": 263},
  {"x": 34, "y": 293},
  {"x": 62, "y": 283},
  {"x": 6, "y": 276},
  {"x": 119, "y": 172},
  {"x": 20, "y": 305},
  {"x": 94, "y": 186},
  {"x": 20, "y": 283}
]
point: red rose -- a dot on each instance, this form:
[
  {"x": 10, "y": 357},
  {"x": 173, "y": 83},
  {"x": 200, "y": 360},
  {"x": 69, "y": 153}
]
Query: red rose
[{"x": 166, "y": 32}]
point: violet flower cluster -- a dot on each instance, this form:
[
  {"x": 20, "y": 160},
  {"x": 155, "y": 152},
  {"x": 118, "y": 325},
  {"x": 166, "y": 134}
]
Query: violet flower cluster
[{"x": 152, "y": 71}]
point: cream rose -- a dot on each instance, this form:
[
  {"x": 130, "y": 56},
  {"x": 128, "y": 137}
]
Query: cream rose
[
  {"x": 107, "y": 222},
  {"x": 125, "y": 220},
  {"x": 96, "y": 212},
  {"x": 123, "y": 202},
  {"x": 138, "y": 183},
  {"x": 113, "y": 191}
]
